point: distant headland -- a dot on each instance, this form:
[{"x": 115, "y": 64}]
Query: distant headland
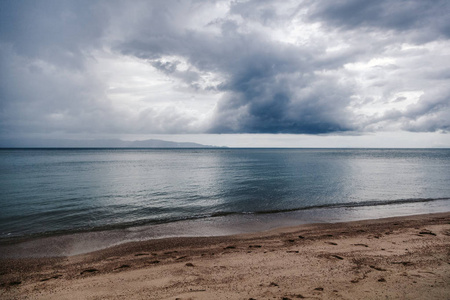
[{"x": 100, "y": 143}]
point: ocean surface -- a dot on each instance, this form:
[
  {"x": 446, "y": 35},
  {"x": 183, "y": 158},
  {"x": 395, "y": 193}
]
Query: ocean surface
[{"x": 48, "y": 192}]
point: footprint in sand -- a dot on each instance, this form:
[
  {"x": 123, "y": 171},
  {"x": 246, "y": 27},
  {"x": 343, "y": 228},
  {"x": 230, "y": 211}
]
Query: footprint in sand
[
  {"x": 53, "y": 277},
  {"x": 92, "y": 270},
  {"x": 122, "y": 267},
  {"x": 154, "y": 262},
  {"x": 427, "y": 232}
]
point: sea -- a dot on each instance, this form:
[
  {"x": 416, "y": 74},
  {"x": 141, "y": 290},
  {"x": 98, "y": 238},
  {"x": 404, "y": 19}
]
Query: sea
[{"x": 57, "y": 202}]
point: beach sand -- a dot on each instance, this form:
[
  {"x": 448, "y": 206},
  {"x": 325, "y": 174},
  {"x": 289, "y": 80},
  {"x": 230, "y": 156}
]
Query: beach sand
[{"x": 394, "y": 258}]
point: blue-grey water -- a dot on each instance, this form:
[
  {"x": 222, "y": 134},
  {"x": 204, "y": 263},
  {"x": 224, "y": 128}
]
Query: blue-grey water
[{"x": 54, "y": 191}]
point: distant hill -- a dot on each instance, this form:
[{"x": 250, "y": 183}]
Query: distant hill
[{"x": 106, "y": 143}]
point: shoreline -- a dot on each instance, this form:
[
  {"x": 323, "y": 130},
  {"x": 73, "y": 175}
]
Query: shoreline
[
  {"x": 398, "y": 257},
  {"x": 14, "y": 239},
  {"x": 69, "y": 244}
]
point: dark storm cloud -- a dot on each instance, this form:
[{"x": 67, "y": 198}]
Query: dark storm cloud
[
  {"x": 269, "y": 85},
  {"x": 49, "y": 49},
  {"x": 425, "y": 20},
  {"x": 270, "y": 95},
  {"x": 281, "y": 110}
]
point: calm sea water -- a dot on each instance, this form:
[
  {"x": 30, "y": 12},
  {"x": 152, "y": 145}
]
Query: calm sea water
[{"x": 67, "y": 190}]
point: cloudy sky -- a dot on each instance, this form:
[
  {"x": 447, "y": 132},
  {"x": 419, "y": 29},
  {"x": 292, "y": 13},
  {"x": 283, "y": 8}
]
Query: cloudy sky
[{"x": 237, "y": 73}]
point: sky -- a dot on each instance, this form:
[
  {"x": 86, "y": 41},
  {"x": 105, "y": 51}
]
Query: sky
[{"x": 341, "y": 73}]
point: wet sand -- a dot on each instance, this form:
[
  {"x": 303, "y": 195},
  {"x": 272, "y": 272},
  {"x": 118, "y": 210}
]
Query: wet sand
[{"x": 394, "y": 258}]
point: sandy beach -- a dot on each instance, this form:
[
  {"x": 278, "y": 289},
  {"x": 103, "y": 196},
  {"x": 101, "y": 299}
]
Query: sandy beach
[{"x": 394, "y": 258}]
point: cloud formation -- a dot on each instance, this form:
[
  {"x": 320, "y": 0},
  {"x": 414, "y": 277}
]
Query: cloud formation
[{"x": 309, "y": 67}]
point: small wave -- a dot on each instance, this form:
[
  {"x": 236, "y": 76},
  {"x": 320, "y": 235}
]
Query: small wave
[
  {"x": 334, "y": 205},
  {"x": 6, "y": 237},
  {"x": 354, "y": 204}
]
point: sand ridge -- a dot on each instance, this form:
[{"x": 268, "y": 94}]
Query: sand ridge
[{"x": 395, "y": 258}]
